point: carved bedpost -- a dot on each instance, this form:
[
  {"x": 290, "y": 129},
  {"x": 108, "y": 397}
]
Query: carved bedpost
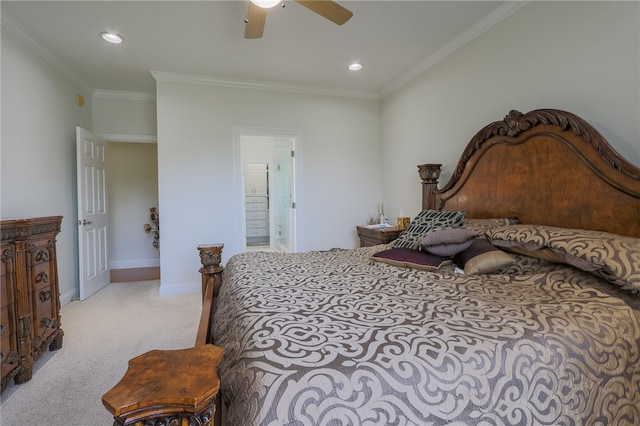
[
  {"x": 211, "y": 270},
  {"x": 210, "y": 258},
  {"x": 429, "y": 173}
]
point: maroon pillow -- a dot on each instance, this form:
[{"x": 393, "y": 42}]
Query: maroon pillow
[{"x": 410, "y": 258}]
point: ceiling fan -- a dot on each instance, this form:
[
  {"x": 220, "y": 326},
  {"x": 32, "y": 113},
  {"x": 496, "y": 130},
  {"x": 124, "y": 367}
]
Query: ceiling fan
[{"x": 257, "y": 13}]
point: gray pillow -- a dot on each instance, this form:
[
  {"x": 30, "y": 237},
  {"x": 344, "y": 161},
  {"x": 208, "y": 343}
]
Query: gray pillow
[
  {"x": 481, "y": 257},
  {"x": 446, "y": 241}
]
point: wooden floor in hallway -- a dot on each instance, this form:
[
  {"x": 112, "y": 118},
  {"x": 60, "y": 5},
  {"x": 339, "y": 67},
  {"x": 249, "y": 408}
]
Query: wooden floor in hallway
[{"x": 135, "y": 274}]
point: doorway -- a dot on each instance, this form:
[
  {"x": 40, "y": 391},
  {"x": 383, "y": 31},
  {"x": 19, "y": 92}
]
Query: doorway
[
  {"x": 132, "y": 177},
  {"x": 265, "y": 164}
]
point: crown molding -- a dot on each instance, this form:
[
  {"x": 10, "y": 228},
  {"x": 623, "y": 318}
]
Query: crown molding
[
  {"x": 498, "y": 14},
  {"x": 119, "y": 94},
  {"x": 260, "y": 85},
  {"x": 11, "y": 25}
]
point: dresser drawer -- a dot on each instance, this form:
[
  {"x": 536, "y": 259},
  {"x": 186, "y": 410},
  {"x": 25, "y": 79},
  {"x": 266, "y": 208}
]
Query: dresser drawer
[
  {"x": 7, "y": 256},
  {"x": 6, "y": 296},
  {"x": 9, "y": 348},
  {"x": 257, "y": 232},
  {"x": 254, "y": 224},
  {"x": 262, "y": 200},
  {"x": 256, "y": 215},
  {"x": 45, "y": 324},
  {"x": 38, "y": 252},
  {"x": 253, "y": 207},
  {"x": 43, "y": 301},
  {"x": 41, "y": 276},
  {"x": 6, "y": 327}
]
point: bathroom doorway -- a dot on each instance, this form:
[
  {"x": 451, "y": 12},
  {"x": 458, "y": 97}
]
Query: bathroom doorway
[{"x": 266, "y": 165}]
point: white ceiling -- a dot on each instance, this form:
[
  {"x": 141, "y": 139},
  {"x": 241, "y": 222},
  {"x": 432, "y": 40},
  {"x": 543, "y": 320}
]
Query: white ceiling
[{"x": 394, "y": 40}]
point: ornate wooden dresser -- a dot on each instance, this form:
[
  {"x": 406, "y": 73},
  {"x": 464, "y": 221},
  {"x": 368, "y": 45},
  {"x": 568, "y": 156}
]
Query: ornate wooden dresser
[{"x": 30, "y": 301}]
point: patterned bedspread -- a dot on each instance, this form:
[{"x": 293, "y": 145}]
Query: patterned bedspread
[{"x": 327, "y": 338}]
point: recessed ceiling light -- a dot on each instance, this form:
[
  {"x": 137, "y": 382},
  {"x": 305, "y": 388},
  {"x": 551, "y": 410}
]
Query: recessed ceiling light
[
  {"x": 111, "y": 38},
  {"x": 355, "y": 66}
]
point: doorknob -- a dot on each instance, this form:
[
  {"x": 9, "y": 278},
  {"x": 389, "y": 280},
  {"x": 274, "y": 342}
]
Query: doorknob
[{"x": 85, "y": 222}]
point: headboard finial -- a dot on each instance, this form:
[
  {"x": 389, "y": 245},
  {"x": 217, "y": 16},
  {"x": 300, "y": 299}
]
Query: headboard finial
[{"x": 429, "y": 173}]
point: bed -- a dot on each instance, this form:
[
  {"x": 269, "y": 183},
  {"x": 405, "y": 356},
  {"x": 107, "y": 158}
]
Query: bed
[{"x": 535, "y": 321}]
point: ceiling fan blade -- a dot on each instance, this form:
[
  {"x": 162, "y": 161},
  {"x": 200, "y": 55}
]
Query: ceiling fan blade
[
  {"x": 328, "y": 9},
  {"x": 254, "y": 26}
]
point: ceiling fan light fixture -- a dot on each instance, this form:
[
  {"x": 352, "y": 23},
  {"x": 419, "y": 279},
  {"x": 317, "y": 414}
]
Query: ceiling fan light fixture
[
  {"x": 355, "y": 66},
  {"x": 111, "y": 37},
  {"x": 266, "y": 4}
]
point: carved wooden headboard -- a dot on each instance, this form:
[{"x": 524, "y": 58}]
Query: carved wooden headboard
[{"x": 545, "y": 167}]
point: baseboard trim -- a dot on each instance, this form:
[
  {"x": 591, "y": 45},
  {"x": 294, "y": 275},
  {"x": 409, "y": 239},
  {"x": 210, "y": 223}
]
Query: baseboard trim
[{"x": 66, "y": 298}]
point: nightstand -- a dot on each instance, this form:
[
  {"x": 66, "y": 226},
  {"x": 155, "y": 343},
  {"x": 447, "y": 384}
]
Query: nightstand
[
  {"x": 173, "y": 387},
  {"x": 374, "y": 236}
]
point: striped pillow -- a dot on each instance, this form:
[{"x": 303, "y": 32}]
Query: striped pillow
[{"x": 426, "y": 221}]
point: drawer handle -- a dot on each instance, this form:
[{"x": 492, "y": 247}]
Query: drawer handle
[
  {"x": 45, "y": 295},
  {"x": 42, "y": 256},
  {"x": 1, "y": 329},
  {"x": 46, "y": 322},
  {"x": 2, "y": 357},
  {"x": 42, "y": 277}
]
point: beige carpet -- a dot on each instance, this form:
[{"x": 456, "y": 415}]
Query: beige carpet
[{"x": 101, "y": 334}]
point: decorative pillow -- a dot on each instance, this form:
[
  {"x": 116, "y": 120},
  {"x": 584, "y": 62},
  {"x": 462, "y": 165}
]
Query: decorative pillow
[
  {"x": 613, "y": 257},
  {"x": 445, "y": 241},
  {"x": 527, "y": 265},
  {"x": 542, "y": 253},
  {"x": 481, "y": 257},
  {"x": 424, "y": 222},
  {"x": 410, "y": 258},
  {"x": 481, "y": 226}
]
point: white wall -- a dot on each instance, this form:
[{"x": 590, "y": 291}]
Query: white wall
[
  {"x": 338, "y": 167},
  {"x": 124, "y": 113},
  {"x": 132, "y": 184},
  {"x": 39, "y": 116},
  {"x": 583, "y": 57}
]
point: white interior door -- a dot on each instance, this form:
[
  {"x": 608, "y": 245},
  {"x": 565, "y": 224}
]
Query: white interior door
[
  {"x": 284, "y": 154},
  {"x": 92, "y": 212}
]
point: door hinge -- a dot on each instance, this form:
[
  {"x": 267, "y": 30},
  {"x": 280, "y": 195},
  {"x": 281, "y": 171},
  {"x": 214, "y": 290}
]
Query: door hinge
[
  {"x": 293, "y": 205},
  {"x": 293, "y": 153}
]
